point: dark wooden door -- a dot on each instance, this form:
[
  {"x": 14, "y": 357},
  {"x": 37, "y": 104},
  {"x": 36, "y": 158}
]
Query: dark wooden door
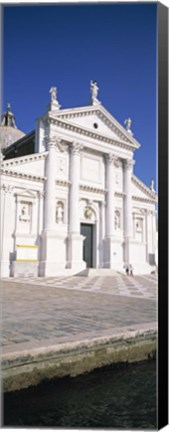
[{"x": 87, "y": 232}]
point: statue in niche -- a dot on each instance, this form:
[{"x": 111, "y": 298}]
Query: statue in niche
[
  {"x": 24, "y": 216},
  {"x": 117, "y": 220},
  {"x": 59, "y": 213},
  {"x": 138, "y": 225}
]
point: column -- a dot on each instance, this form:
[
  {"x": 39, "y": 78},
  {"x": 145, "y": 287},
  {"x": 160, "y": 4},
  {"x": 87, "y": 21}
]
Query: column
[
  {"x": 154, "y": 233},
  {"x": 74, "y": 223},
  {"x": 50, "y": 205},
  {"x": 51, "y": 258},
  {"x": 128, "y": 217},
  {"x": 111, "y": 162},
  {"x": 110, "y": 246},
  {"x": 75, "y": 240},
  {"x": 146, "y": 234}
]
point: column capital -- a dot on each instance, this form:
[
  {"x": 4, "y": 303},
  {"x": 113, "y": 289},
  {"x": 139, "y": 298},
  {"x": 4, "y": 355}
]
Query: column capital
[
  {"x": 129, "y": 163},
  {"x": 55, "y": 142},
  {"x": 112, "y": 159},
  {"x": 7, "y": 188},
  {"x": 76, "y": 147}
]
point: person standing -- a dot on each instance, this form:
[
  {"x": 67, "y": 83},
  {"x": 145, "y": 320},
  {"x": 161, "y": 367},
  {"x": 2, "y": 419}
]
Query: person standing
[{"x": 131, "y": 269}]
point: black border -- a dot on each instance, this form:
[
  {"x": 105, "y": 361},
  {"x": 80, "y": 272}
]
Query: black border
[{"x": 162, "y": 23}]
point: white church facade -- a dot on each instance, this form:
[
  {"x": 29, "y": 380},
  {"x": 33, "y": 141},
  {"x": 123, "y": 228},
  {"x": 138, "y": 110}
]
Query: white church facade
[{"x": 69, "y": 196}]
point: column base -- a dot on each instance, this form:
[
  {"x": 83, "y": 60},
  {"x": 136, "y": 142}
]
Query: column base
[
  {"x": 109, "y": 252},
  {"x": 53, "y": 253},
  {"x": 75, "y": 252}
]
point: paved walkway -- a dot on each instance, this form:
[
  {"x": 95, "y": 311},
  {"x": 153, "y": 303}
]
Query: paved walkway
[
  {"x": 45, "y": 311},
  {"x": 137, "y": 286}
]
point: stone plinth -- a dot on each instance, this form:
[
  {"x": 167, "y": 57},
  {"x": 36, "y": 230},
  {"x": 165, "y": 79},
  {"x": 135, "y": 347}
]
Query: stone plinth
[
  {"x": 25, "y": 268},
  {"x": 75, "y": 253}
]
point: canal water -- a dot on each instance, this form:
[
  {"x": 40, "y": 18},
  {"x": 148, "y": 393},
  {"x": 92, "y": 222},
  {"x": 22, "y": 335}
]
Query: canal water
[{"x": 112, "y": 397}]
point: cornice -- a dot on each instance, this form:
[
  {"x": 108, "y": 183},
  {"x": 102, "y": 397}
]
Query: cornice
[
  {"x": 23, "y": 159},
  {"x": 81, "y": 130},
  {"x": 142, "y": 199},
  {"x": 60, "y": 182},
  {"x": 119, "y": 194},
  {"x": 20, "y": 175},
  {"x": 92, "y": 189},
  {"x": 144, "y": 188}
]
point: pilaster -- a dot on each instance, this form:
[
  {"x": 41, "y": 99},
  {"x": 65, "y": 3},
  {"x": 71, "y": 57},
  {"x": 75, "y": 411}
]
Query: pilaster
[
  {"x": 128, "y": 218},
  {"x": 75, "y": 240},
  {"x": 111, "y": 162}
]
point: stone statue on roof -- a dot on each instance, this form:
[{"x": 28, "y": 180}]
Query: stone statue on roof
[
  {"x": 94, "y": 88},
  {"x": 127, "y": 124},
  {"x": 54, "y": 104},
  {"x": 53, "y": 93},
  {"x": 152, "y": 185}
]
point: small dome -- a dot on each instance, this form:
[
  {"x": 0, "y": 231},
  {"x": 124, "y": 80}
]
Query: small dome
[{"x": 9, "y": 133}]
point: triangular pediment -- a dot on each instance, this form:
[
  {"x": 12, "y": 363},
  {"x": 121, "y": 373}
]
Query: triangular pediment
[
  {"x": 98, "y": 120},
  {"x": 27, "y": 194},
  {"x": 141, "y": 191}
]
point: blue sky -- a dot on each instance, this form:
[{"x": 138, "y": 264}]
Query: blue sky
[{"x": 67, "y": 46}]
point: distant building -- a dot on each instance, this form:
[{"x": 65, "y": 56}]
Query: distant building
[
  {"x": 9, "y": 133},
  {"x": 69, "y": 198}
]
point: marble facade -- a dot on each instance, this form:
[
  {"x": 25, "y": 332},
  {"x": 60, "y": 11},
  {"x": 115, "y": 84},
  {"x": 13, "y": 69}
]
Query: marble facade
[{"x": 80, "y": 177}]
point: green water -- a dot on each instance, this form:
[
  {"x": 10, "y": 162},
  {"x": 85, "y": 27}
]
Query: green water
[{"x": 121, "y": 397}]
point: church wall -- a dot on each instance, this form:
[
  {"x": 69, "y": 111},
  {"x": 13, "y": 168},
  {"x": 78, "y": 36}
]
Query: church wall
[
  {"x": 7, "y": 227},
  {"x": 92, "y": 169},
  {"x": 41, "y": 133},
  {"x": 21, "y": 219}
]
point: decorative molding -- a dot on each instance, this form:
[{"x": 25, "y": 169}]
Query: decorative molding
[
  {"x": 142, "y": 199},
  {"x": 62, "y": 182},
  {"x": 92, "y": 189},
  {"x": 24, "y": 159},
  {"x": 26, "y": 176},
  {"x": 119, "y": 194}
]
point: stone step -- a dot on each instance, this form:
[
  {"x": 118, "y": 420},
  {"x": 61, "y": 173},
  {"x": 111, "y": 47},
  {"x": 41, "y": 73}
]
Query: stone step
[{"x": 98, "y": 272}]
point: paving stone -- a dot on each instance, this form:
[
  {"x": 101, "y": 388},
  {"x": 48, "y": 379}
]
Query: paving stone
[{"x": 35, "y": 314}]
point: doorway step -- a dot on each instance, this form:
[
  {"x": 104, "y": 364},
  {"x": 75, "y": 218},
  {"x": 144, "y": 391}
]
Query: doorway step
[{"x": 98, "y": 272}]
